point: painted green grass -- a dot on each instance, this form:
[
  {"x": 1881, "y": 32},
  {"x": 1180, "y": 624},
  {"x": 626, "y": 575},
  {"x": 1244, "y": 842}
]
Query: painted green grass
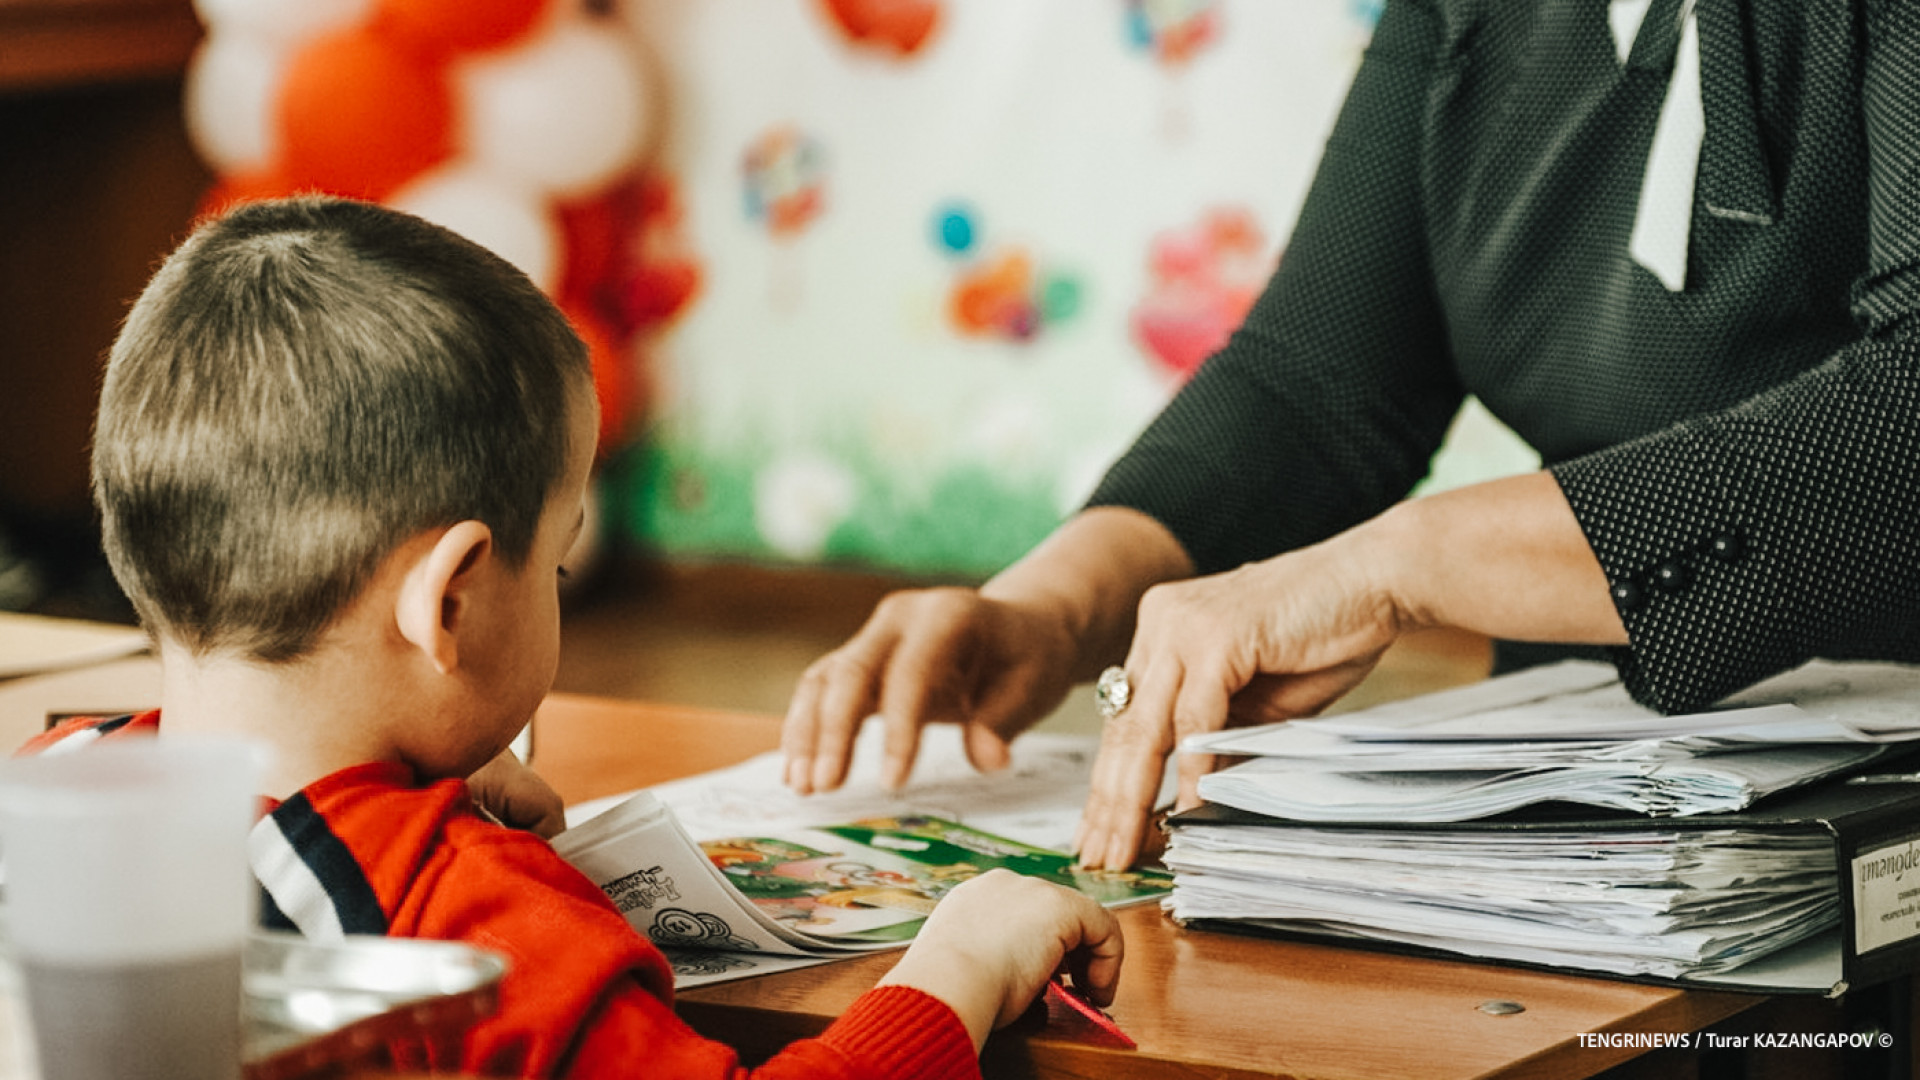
[{"x": 966, "y": 522}]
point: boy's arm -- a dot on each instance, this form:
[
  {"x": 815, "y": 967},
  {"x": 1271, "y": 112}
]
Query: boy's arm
[
  {"x": 889, "y": 1033},
  {"x": 586, "y": 996},
  {"x": 984, "y": 955}
]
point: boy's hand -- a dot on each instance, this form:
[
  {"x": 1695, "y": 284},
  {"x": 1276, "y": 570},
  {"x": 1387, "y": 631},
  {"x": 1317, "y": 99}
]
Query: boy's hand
[
  {"x": 517, "y": 796},
  {"x": 992, "y": 944}
]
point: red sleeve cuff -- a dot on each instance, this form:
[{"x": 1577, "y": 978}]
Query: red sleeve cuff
[{"x": 905, "y": 1032}]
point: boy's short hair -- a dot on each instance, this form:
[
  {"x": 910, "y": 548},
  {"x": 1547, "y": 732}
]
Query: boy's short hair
[{"x": 304, "y": 385}]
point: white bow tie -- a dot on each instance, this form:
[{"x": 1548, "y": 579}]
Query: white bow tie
[{"x": 1665, "y": 216}]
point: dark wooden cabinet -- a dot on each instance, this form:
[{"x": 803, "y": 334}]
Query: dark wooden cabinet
[
  {"x": 45, "y": 43},
  {"x": 97, "y": 181}
]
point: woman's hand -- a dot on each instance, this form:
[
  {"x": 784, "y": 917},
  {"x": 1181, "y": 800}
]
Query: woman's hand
[
  {"x": 1269, "y": 641},
  {"x": 1286, "y": 637},
  {"x": 925, "y": 656},
  {"x": 996, "y": 660}
]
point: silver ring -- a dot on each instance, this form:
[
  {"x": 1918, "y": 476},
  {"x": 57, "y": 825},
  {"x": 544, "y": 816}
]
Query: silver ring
[{"x": 1113, "y": 691}]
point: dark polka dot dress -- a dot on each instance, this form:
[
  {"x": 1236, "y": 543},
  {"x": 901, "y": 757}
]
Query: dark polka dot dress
[{"x": 1742, "y": 453}]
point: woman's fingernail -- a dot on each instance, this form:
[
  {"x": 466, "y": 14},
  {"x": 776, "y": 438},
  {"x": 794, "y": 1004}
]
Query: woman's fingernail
[
  {"x": 1084, "y": 847},
  {"x": 822, "y": 776}
]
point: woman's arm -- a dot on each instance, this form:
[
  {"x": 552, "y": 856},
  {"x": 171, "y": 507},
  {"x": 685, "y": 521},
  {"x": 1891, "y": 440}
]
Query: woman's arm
[
  {"x": 1749, "y": 540},
  {"x": 1287, "y": 636}
]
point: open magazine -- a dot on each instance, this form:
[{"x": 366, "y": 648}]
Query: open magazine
[{"x": 792, "y": 891}]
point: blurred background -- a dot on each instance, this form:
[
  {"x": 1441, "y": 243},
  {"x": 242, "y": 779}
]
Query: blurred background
[{"x": 875, "y": 288}]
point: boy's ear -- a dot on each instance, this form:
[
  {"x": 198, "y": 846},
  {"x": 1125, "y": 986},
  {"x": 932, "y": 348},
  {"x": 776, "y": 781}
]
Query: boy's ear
[{"x": 435, "y": 599}]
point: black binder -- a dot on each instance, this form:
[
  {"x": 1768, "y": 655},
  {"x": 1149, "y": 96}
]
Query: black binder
[{"x": 1874, "y": 826}]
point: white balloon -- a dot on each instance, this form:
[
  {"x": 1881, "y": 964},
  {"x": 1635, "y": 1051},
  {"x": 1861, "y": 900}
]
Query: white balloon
[
  {"x": 496, "y": 213},
  {"x": 799, "y": 500},
  {"x": 284, "y": 21},
  {"x": 565, "y": 113},
  {"x": 231, "y": 83}
]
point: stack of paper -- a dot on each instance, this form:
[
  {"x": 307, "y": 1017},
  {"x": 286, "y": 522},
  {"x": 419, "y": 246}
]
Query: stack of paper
[
  {"x": 1648, "y": 903},
  {"x": 1566, "y": 732},
  {"x": 1412, "y": 824}
]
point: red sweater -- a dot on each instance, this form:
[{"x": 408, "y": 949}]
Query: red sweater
[{"x": 585, "y": 995}]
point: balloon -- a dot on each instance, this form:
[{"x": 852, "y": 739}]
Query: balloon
[
  {"x": 799, "y": 500},
  {"x": 564, "y": 114},
  {"x": 613, "y": 379},
  {"x": 783, "y": 173},
  {"x": 460, "y": 25},
  {"x": 906, "y": 24},
  {"x": 626, "y": 255},
  {"x": 1181, "y": 327},
  {"x": 591, "y": 231},
  {"x": 360, "y": 115},
  {"x": 280, "y": 21},
  {"x": 231, "y": 82},
  {"x": 1022, "y": 320},
  {"x": 1059, "y": 298},
  {"x": 657, "y": 289},
  {"x": 625, "y": 260},
  {"x": 955, "y": 229},
  {"x": 995, "y": 298},
  {"x": 976, "y": 306},
  {"x": 1174, "y": 32},
  {"x": 494, "y": 213},
  {"x": 899, "y": 26},
  {"x": 1181, "y": 254}
]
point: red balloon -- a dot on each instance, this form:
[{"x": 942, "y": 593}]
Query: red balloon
[
  {"x": 898, "y": 26},
  {"x": 459, "y": 25},
  {"x": 906, "y": 26},
  {"x": 657, "y": 290},
  {"x": 626, "y": 261},
  {"x": 361, "y": 114},
  {"x": 614, "y": 381},
  {"x": 593, "y": 230},
  {"x": 1181, "y": 327}
]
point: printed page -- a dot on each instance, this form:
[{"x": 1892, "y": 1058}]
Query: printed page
[
  {"x": 665, "y": 885},
  {"x": 1036, "y": 800},
  {"x": 875, "y": 880},
  {"x": 697, "y": 967},
  {"x": 1821, "y": 701},
  {"x": 1716, "y": 783},
  {"x": 1875, "y": 700},
  {"x": 781, "y": 881}
]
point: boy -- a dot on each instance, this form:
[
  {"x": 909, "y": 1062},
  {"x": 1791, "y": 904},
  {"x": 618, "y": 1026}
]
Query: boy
[{"x": 339, "y": 458}]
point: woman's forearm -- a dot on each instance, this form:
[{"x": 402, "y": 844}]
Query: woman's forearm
[{"x": 1506, "y": 558}]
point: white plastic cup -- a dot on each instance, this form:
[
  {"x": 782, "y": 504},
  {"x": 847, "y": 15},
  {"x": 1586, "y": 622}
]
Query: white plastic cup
[{"x": 128, "y": 901}]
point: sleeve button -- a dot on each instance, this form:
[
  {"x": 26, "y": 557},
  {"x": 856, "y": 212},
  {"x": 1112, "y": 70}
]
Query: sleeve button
[
  {"x": 1728, "y": 547},
  {"x": 1671, "y": 577},
  {"x": 1627, "y": 595}
]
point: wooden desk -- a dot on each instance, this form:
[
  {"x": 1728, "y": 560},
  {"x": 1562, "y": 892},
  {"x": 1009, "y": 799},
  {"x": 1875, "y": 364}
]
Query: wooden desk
[{"x": 1199, "y": 1004}]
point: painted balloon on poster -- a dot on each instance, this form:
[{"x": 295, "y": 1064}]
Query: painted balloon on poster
[{"x": 1203, "y": 279}]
